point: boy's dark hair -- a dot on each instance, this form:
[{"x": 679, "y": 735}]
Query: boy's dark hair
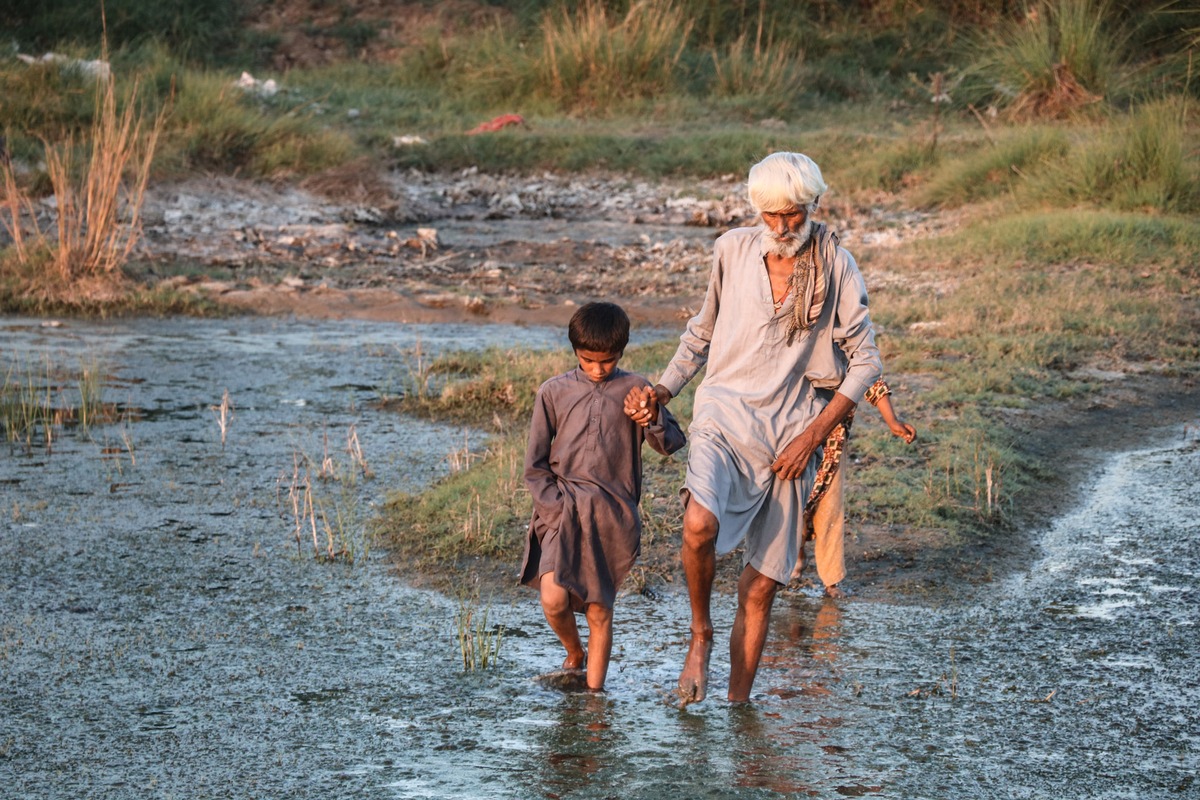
[{"x": 599, "y": 327}]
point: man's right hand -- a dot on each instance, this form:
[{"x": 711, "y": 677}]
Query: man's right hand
[
  {"x": 792, "y": 460},
  {"x": 661, "y": 392}
]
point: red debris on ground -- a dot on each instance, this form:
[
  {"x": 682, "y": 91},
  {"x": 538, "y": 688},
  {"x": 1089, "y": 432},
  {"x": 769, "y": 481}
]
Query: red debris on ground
[{"x": 502, "y": 121}]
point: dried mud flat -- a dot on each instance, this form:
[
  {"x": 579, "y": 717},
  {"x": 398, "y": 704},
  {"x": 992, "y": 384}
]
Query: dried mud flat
[{"x": 417, "y": 247}]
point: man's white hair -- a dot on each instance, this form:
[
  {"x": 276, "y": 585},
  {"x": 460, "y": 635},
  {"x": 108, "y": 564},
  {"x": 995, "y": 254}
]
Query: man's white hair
[{"x": 784, "y": 180}]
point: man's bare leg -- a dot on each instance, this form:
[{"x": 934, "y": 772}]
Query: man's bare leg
[
  {"x": 756, "y": 594},
  {"x": 556, "y": 605},
  {"x": 699, "y": 555}
]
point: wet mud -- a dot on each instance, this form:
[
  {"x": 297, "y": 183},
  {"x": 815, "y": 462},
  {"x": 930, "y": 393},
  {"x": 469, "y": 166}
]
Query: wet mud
[{"x": 164, "y": 636}]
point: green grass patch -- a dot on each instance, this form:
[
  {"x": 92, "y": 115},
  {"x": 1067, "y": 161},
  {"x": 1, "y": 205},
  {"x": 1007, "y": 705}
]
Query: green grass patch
[
  {"x": 215, "y": 125},
  {"x": 480, "y": 511},
  {"x": 1145, "y": 160},
  {"x": 1073, "y": 237},
  {"x": 985, "y": 172},
  {"x": 483, "y": 510}
]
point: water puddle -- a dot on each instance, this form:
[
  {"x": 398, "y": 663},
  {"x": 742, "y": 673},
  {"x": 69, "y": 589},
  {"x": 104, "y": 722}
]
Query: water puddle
[{"x": 164, "y": 634}]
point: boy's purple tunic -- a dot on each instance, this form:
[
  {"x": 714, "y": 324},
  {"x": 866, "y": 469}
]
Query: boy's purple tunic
[{"x": 583, "y": 468}]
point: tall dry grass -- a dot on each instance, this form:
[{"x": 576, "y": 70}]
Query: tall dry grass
[
  {"x": 762, "y": 69},
  {"x": 591, "y": 58},
  {"x": 97, "y": 202}
]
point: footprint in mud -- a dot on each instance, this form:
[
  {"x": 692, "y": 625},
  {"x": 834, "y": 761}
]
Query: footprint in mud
[{"x": 564, "y": 680}]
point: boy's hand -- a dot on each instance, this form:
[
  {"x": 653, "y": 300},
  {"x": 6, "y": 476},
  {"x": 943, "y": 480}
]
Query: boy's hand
[
  {"x": 641, "y": 406},
  {"x": 905, "y": 431}
]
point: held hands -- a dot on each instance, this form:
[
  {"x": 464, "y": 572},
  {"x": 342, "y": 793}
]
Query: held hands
[
  {"x": 662, "y": 393},
  {"x": 641, "y": 405}
]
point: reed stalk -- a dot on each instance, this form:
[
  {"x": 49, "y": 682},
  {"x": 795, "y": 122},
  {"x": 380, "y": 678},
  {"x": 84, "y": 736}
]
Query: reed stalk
[{"x": 224, "y": 416}]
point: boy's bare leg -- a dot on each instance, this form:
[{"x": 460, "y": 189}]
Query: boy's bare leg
[
  {"x": 699, "y": 555},
  {"x": 756, "y": 594},
  {"x": 556, "y": 605},
  {"x": 599, "y": 649}
]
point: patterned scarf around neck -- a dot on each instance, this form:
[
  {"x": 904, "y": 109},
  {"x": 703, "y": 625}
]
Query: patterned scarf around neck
[{"x": 807, "y": 284}]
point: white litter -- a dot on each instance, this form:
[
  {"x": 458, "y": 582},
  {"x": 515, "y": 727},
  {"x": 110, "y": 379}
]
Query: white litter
[
  {"x": 96, "y": 68},
  {"x": 249, "y": 83}
]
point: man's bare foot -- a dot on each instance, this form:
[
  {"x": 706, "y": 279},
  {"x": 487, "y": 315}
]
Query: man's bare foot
[
  {"x": 693, "y": 681},
  {"x": 835, "y": 591},
  {"x": 576, "y": 661}
]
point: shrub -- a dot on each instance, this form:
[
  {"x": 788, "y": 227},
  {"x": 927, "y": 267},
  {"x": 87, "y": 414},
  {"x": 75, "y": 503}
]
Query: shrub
[
  {"x": 1060, "y": 58},
  {"x": 204, "y": 32},
  {"x": 215, "y": 125},
  {"x": 46, "y": 100},
  {"x": 769, "y": 72}
]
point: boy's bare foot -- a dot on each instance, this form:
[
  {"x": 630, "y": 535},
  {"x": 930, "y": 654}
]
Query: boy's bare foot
[
  {"x": 693, "y": 681},
  {"x": 835, "y": 591},
  {"x": 576, "y": 662}
]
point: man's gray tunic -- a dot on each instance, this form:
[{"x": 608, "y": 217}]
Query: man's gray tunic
[{"x": 759, "y": 393}]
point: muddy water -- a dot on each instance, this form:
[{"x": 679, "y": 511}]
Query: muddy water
[{"x": 160, "y": 636}]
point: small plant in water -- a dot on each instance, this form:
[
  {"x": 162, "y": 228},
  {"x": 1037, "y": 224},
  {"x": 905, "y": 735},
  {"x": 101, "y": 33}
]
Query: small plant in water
[
  {"x": 478, "y": 644},
  {"x": 354, "y": 449},
  {"x": 327, "y": 510},
  {"x": 91, "y": 405},
  {"x": 460, "y": 459},
  {"x": 224, "y": 415},
  {"x": 300, "y": 500},
  {"x": 417, "y": 372},
  {"x": 26, "y": 403}
]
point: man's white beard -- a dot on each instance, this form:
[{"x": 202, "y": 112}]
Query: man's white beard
[{"x": 789, "y": 244}]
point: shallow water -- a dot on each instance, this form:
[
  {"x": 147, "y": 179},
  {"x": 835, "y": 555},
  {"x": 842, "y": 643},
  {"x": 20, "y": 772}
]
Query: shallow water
[{"x": 160, "y": 636}]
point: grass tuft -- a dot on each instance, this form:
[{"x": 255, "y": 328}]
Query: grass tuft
[
  {"x": 478, "y": 642},
  {"x": 1141, "y": 162},
  {"x": 590, "y": 60},
  {"x": 1061, "y": 57},
  {"x": 98, "y": 201}
]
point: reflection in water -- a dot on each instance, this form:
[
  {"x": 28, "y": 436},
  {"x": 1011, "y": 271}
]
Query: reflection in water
[
  {"x": 803, "y": 655},
  {"x": 806, "y": 647},
  {"x": 575, "y": 750},
  {"x": 763, "y": 753}
]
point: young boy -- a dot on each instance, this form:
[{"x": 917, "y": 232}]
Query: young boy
[
  {"x": 825, "y": 513},
  {"x": 583, "y": 468}
]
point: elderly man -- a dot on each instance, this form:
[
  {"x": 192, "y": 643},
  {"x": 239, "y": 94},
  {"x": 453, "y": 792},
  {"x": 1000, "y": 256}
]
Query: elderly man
[{"x": 789, "y": 348}]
